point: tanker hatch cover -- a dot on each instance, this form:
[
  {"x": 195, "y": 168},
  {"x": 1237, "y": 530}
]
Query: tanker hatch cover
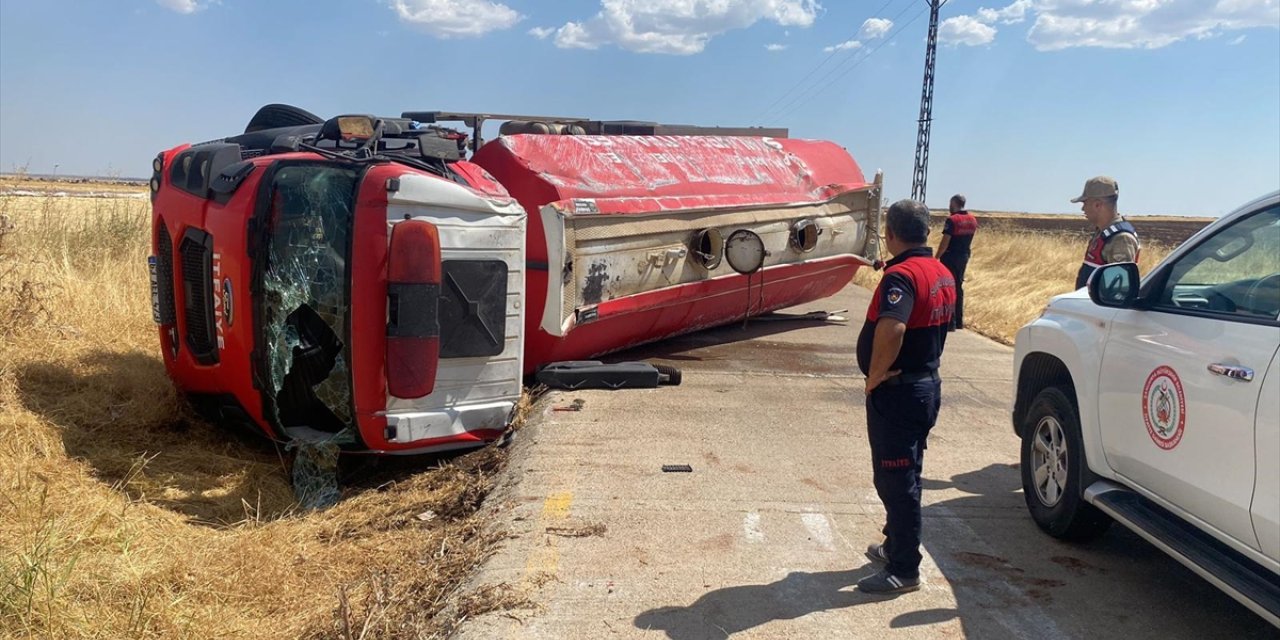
[{"x": 306, "y": 301}]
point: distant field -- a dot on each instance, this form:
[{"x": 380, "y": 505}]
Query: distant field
[
  {"x": 14, "y": 184},
  {"x": 1165, "y": 230},
  {"x": 1013, "y": 271}
]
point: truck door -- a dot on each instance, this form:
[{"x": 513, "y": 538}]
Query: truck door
[{"x": 1180, "y": 381}]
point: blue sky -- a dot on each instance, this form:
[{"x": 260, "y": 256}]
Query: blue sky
[{"x": 1177, "y": 99}]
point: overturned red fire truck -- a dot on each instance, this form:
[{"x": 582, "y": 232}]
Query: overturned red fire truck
[{"x": 387, "y": 282}]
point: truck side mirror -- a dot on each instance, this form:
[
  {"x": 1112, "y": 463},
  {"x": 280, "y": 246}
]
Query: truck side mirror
[{"x": 1115, "y": 285}]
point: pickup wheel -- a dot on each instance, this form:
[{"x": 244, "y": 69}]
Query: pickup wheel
[{"x": 1053, "y": 465}]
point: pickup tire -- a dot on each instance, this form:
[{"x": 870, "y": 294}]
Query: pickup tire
[{"x": 1053, "y": 466}]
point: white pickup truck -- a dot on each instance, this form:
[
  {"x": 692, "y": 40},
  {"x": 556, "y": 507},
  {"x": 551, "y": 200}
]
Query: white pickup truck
[{"x": 1156, "y": 403}]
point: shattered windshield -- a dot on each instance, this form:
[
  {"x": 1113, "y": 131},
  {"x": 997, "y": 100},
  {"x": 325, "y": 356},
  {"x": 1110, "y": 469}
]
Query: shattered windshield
[{"x": 305, "y": 294}]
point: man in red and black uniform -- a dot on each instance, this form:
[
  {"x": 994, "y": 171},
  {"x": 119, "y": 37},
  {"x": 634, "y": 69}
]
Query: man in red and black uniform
[
  {"x": 953, "y": 250},
  {"x": 899, "y": 350}
]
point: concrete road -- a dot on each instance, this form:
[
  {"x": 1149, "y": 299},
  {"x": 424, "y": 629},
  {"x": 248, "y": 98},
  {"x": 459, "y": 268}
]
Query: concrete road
[{"x": 764, "y": 538}]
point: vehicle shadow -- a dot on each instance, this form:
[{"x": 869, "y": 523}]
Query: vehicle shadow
[
  {"x": 733, "y": 342},
  {"x": 761, "y": 326},
  {"x": 118, "y": 413},
  {"x": 1009, "y": 579}
]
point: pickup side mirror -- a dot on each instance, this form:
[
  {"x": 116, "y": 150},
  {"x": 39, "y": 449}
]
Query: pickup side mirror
[{"x": 1115, "y": 285}]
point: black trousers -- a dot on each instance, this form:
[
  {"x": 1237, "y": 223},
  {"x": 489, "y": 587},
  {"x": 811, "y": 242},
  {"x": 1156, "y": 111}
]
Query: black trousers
[
  {"x": 957, "y": 264},
  {"x": 899, "y": 418}
]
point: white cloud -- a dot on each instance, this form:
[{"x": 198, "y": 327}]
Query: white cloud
[
  {"x": 775, "y": 47},
  {"x": 843, "y": 46},
  {"x": 874, "y": 28},
  {"x": 456, "y": 18},
  {"x": 1143, "y": 24},
  {"x": 182, "y": 6},
  {"x": 1237, "y": 41},
  {"x": 1124, "y": 24},
  {"x": 966, "y": 30},
  {"x": 1012, "y": 14},
  {"x": 679, "y": 27},
  {"x": 574, "y": 36},
  {"x": 542, "y": 33}
]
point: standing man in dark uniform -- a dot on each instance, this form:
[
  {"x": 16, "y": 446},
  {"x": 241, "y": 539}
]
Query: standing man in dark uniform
[
  {"x": 1116, "y": 239},
  {"x": 953, "y": 250},
  {"x": 898, "y": 351}
]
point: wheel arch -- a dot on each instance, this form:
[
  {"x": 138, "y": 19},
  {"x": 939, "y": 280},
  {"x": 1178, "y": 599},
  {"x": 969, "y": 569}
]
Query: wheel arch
[{"x": 1040, "y": 371}]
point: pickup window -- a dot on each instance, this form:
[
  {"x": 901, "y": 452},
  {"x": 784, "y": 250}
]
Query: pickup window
[{"x": 1234, "y": 275}]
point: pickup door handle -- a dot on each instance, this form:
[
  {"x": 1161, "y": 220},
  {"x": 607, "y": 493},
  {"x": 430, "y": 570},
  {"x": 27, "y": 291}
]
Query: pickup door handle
[{"x": 1243, "y": 374}]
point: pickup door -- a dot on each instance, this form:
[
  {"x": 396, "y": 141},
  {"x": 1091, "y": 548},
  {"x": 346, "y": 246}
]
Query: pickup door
[
  {"x": 1181, "y": 381},
  {"x": 1266, "y": 498}
]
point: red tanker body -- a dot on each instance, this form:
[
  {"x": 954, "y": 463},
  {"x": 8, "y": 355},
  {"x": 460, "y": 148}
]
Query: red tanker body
[
  {"x": 616, "y": 218},
  {"x": 358, "y": 280}
]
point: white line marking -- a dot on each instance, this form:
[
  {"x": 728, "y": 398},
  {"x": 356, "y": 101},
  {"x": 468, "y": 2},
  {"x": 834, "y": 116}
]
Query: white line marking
[
  {"x": 819, "y": 529},
  {"x": 751, "y": 527}
]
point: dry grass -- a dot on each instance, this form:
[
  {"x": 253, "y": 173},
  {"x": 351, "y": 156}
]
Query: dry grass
[
  {"x": 1013, "y": 274},
  {"x": 124, "y": 516}
]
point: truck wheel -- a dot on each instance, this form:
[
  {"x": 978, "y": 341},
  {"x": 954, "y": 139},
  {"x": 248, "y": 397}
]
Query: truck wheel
[{"x": 1053, "y": 465}]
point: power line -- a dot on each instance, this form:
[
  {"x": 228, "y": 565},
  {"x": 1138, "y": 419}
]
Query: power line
[
  {"x": 810, "y": 94},
  {"x": 818, "y": 87},
  {"x": 834, "y": 52}
]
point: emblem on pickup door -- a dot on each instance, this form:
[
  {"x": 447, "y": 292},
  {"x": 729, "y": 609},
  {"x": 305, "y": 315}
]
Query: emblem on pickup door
[{"x": 1164, "y": 407}]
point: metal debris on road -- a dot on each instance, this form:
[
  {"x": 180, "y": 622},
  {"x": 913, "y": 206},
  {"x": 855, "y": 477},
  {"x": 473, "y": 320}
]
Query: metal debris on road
[
  {"x": 824, "y": 316},
  {"x": 677, "y": 468},
  {"x": 577, "y": 405},
  {"x": 577, "y": 532}
]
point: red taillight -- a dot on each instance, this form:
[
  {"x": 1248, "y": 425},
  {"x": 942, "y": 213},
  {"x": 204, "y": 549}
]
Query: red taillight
[{"x": 413, "y": 295}]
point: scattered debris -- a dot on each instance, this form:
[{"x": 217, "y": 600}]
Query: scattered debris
[
  {"x": 677, "y": 468},
  {"x": 823, "y": 316},
  {"x": 501, "y": 597},
  {"x": 577, "y": 405},
  {"x": 427, "y": 516},
  {"x": 315, "y": 466},
  {"x": 586, "y": 531},
  {"x": 315, "y": 475}
]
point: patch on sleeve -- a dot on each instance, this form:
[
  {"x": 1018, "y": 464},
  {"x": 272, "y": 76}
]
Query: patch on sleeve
[{"x": 893, "y": 295}]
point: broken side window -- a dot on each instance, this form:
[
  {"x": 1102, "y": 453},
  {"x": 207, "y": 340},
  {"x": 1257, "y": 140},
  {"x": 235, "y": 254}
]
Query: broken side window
[{"x": 307, "y": 295}]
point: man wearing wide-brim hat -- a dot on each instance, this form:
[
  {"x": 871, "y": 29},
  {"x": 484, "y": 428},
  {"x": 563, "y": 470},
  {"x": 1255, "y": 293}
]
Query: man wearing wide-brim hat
[{"x": 1116, "y": 239}]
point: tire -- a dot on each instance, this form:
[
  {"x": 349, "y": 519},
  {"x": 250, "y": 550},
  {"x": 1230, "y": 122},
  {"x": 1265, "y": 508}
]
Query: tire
[
  {"x": 274, "y": 116},
  {"x": 1055, "y": 496},
  {"x": 668, "y": 374}
]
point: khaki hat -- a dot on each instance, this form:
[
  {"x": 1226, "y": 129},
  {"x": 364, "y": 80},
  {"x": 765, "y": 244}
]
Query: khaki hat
[{"x": 1099, "y": 187}]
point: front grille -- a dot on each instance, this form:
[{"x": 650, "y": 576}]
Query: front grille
[
  {"x": 197, "y": 298},
  {"x": 164, "y": 275}
]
